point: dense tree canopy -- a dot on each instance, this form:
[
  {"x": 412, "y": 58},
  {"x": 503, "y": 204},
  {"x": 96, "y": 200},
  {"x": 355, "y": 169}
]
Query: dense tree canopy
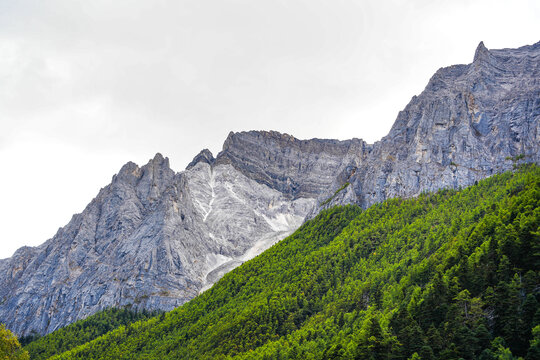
[
  {"x": 449, "y": 275},
  {"x": 81, "y": 332},
  {"x": 10, "y": 349}
]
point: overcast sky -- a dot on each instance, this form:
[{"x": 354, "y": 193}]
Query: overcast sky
[{"x": 86, "y": 86}]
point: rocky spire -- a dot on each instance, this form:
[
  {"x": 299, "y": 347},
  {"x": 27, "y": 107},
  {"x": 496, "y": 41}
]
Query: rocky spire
[
  {"x": 204, "y": 156},
  {"x": 483, "y": 57},
  {"x": 481, "y": 52}
]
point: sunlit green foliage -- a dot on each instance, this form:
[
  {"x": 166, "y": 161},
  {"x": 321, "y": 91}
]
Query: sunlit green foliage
[
  {"x": 335, "y": 194},
  {"x": 81, "y": 332},
  {"x": 10, "y": 349},
  {"x": 448, "y": 275}
]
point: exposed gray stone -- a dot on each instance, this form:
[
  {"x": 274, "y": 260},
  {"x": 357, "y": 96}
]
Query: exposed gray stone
[
  {"x": 298, "y": 168},
  {"x": 204, "y": 156},
  {"x": 466, "y": 125}
]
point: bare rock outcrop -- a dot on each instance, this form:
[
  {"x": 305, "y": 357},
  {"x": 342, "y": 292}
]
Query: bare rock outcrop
[{"x": 470, "y": 122}]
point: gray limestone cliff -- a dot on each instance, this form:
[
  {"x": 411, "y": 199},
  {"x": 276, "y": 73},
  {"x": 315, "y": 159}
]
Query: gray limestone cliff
[
  {"x": 155, "y": 238},
  {"x": 468, "y": 123},
  {"x": 297, "y": 168}
]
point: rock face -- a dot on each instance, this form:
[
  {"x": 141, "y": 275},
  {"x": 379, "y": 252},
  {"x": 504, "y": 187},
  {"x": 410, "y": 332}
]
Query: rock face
[
  {"x": 154, "y": 238},
  {"x": 296, "y": 168},
  {"x": 466, "y": 125}
]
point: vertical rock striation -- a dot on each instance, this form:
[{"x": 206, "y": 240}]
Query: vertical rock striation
[{"x": 296, "y": 168}]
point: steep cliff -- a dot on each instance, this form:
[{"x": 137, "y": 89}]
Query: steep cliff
[
  {"x": 470, "y": 122},
  {"x": 296, "y": 168}
]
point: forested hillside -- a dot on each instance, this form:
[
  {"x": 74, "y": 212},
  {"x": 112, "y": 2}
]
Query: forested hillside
[
  {"x": 448, "y": 275},
  {"x": 81, "y": 332},
  {"x": 10, "y": 348}
]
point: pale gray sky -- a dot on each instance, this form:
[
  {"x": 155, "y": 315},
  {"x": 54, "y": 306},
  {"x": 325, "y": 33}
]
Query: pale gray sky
[{"x": 86, "y": 86}]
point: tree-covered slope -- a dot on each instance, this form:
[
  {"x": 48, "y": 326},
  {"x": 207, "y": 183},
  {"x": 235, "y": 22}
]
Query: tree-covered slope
[
  {"x": 448, "y": 275},
  {"x": 10, "y": 348},
  {"x": 81, "y": 332}
]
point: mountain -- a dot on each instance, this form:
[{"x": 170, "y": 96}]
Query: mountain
[
  {"x": 446, "y": 275},
  {"x": 154, "y": 238},
  {"x": 468, "y": 123}
]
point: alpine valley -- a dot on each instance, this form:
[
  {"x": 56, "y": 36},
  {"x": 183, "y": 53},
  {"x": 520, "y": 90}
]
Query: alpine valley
[{"x": 364, "y": 273}]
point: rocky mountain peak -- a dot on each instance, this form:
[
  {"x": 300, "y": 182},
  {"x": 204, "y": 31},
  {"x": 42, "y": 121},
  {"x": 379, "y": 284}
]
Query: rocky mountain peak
[
  {"x": 481, "y": 52},
  {"x": 132, "y": 173},
  {"x": 159, "y": 161},
  {"x": 463, "y": 127},
  {"x": 129, "y": 173},
  {"x": 156, "y": 176},
  {"x": 260, "y": 137},
  {"x": 484, "y": 58},
  {"x": 297, "y": 168},
  {"x": 204, "y": 156}
]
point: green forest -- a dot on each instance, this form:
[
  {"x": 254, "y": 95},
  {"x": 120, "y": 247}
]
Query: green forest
[
  {"x": 81, "y": 332},
  {"x": 447, "y": 275}
]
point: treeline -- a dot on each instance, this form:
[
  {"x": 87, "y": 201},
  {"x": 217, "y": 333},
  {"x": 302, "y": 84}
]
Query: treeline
[
  {"x": 450, "y": 275},
  {"x": 80, "y": 332}
]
